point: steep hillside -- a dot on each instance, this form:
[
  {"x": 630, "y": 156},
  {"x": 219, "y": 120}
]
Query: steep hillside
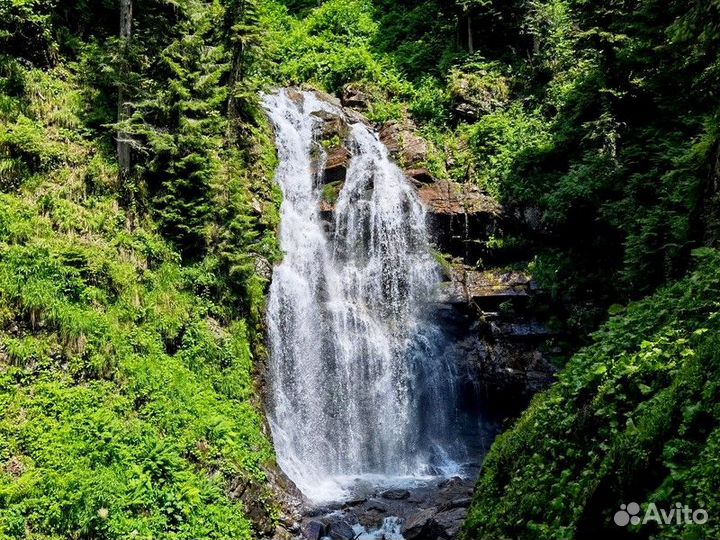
[
  {"x": 131, "y": 300},
  {"x": 633, "y": 417}
]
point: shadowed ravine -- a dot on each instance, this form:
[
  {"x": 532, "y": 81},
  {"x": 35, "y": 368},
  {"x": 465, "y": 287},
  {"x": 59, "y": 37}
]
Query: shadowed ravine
[{"x": 362, "y": 392}]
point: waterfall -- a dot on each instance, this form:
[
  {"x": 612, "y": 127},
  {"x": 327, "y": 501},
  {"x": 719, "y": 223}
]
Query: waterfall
[{"x": 359, "y": 387}]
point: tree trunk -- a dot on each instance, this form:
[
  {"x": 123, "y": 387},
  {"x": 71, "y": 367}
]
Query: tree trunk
[
  {"x": 236, "y": 77},
  {"x": 471, "y": 49},
  {"x": 123, "y": 146}
]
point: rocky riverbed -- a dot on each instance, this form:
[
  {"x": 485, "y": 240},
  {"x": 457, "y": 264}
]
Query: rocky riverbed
[{"x": 431, "y": 511}]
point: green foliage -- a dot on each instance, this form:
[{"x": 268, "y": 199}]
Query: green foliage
[
  {"x": 128, "y": 324},
  {"x": 330, "y": 47},
  {"x": 119, "y": 390},
  {"x": 634, "y": 416}
]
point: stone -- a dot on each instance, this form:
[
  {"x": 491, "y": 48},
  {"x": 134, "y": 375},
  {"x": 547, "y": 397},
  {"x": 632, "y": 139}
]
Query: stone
[
  {"x": 252, "y": 494},
  {"x": 295, "y": 95},
  {"x": 327, "y": 98},
  {"x": 444, "y": 197},
  {"x": 354, "y": 98},
  {"x": 449, "y": 522},
  {"x": 463, "y": 502},
  {"x": 336, "y": 166},
  {"x": 331, "y": 126},
  {"x": 389, "y": 135},
  {"x": 371, "y": 520},
  {"x": 459, "y": 215},
  {"x": 395, "y": 494},
  {"x": 376, "y": 506},
  {"x": 421, "y": 176},
  {"x": 403, "y": 143},
  {"x": 263, "y": 267},
  {"x": 466, "y": 111},
  {"x": 414, "y": 149},
  {"x": 314, "y": 530},
  {"x": 341, "y": 530},
  {"x": 421, "y": 525}
]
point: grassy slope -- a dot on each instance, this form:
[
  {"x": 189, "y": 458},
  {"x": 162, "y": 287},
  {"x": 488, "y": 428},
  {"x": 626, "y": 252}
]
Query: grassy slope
[{"x": 127, "y": 409}]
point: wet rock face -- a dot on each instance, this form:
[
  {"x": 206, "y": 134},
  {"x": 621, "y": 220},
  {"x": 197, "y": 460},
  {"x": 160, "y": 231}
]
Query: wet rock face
[
  {"x": 314, "y": 530},
  {"x": 336, "y": 166},
  {"x": 501, "y": 344},
  {"x": 460, "y": 215},
  {"x": 395, "y": 494},
  {"x": 487, "y": 289},
  {"x": 251, "y": 494}
]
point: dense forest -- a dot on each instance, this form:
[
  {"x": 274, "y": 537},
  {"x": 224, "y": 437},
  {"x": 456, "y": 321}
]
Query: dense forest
[{"x": 138, "y": 231}]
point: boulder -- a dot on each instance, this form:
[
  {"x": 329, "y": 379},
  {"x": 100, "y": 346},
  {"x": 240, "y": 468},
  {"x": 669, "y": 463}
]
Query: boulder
[
  {"x": 422, "y": 526},
  {"x": 449, "y": 522},
  {"x": 314, "y": 530},
  {"x": 376, "y": 506},
  {"x": 395, "y": 494},
  {"x": 355, "y": 98},
  {"x": 341, "y": 530},
  {"x": 403, "y": 143}
]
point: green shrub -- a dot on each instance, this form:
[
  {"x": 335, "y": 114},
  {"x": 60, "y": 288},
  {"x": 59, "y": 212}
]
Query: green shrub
[{"x": 632, "y": 417}]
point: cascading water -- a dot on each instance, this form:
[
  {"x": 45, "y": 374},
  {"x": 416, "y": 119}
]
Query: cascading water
[{"x": 359, "y": 387}]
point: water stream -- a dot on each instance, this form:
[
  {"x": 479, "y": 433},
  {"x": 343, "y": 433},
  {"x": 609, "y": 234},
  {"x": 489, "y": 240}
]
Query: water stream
[{"x": 361, "y": 392}]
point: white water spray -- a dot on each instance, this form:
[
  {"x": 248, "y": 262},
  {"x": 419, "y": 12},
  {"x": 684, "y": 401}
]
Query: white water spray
[{"x": 358, "y": 389}]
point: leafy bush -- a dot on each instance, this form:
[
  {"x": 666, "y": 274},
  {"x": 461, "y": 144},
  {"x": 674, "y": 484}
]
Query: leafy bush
[{"x": 633, "y": 417}]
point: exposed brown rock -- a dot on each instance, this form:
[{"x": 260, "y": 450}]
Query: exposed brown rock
[
  {"x": 338, "y": 159},
  {"x": 421, "y": 176},
  {"x": 355, "y": 98},
  {"x": 403, "y": 143},
  {"x": 444, "y": 197},
  {"x": 460, "y": 217}
]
